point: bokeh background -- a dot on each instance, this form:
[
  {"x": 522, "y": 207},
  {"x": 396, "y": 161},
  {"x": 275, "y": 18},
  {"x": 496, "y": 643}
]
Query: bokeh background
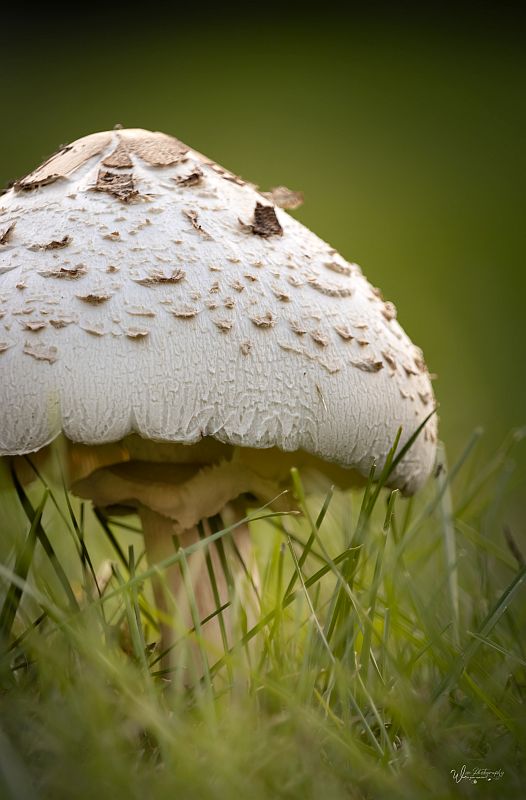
[{"x": 405, "y": 132}]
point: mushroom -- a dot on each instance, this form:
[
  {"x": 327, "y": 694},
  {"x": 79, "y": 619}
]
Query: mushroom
[{"x": 192, "y": 341}]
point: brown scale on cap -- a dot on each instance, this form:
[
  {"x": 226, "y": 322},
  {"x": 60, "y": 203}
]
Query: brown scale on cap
[
  {"x": 389, "y": 359},
  {"x": 265, "y": 320},
  {"x": 7, "y": 234},
  {"x": 137, "y": 333},
  {"x": 94, "y": 298},
  {"x": 62, "y": 322},
  {"x": 157, "y": 277},
  {"x": 55, "y": 244},
  {"x": 295, "y": 281},
  {"x": 192, "y": 178},
  {"x": 140, "y": 311},
  {"x": 389, "y": 310},
  {"x": 320, "y": 338},
  {"x": 265, "y": 223},
  {"x": 224, "y": 325},
  {"x": 120, "y": 186},
  {"x": 298, "y": 328},
  {"x": 281, "y": 294},
  {"x": 334, "y": 266},
  {"x": 93, "y": 330},
  {"x": 64, "y": 161},
  {"x": 344, "y": 332},
  {"x": 41, "y": 352},
  {"x": 328, "y": 289},
  {"x": 369, "y": 365},
  {"x": 194, "y": 220},
  {"x": 185, "y": 312},
  {"x": 34, "y": 326}
]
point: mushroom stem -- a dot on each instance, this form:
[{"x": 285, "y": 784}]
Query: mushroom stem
[{"x": 192, "y": 594}]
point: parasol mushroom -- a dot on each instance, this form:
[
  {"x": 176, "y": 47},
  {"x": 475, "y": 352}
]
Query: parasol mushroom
[{"x": 192, "y": 341}]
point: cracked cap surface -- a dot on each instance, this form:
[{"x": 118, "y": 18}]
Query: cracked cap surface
[{"x": 144, "y": 288}]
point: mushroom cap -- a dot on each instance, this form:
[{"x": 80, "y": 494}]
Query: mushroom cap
[{"x": 144, "y": 288}]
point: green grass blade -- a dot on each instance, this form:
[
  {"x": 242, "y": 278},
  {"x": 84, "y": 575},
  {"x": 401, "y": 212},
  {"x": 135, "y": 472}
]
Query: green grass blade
[{"x": 21, "y": 570}]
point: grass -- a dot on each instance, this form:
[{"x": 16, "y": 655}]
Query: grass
[{"x": 388, "y": 649}]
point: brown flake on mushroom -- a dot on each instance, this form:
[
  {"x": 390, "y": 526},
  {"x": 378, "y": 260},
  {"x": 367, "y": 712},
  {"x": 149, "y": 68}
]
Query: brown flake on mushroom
[
  {"x": 297, "y": 327},
  {"x": 192, "y": 178},
  {"x": 193, "y": 217},
  {"x": 409, "y": 369},
  {"x": 369, "y": 365},
  {"x": 341, "y": 269},
  {"x": 284, "y": 198},
  {"x": 113, "y": 236},
  {"x": 295, "y": 281},
  {"x": 185, "y": 312},
  {"x": 265, "y": 320},
  {"x": 224, "y": 325},
  {"x": 250, "y": 277},
  {"x": 112, "y": 268},
  {"x": 41, "y": 351},
  {"x": 425, "y": 397},
  {"x": 137, "y": 333},
  {"x": 158, "y": 150},
  {"x": 419, "y": 362},
  {"x": 24, "y": 310},
  {"x": 237, "y": 286},
  {"x": 94, "y": 298},
  {"x": 121, "y": 186},
  {"x": 158, "y": 277},
  {"x": 319, "y": 337},
  {"x": 389, "y": 359},
  {"x": 344, "y": 332},
  {"x": 54, "y": 244},
  {"x": 65, "y": 273},
  {"x": 5, "y": 346},
  {"x": 21, "y": 285},
  {"x": 119, "y": 158},
  {"x": 211, "y": 304},
  {"x": 62, "y": 322},
  {"x": 389, "y": 310},
  {"x": 281, "y": 294},
  {"x": 328, "y": 289},
  {"x": 6, "y": 235},
  {"x": 140, "y": 311},
  {"x": 65, "y": 161},
  {"x": 35, "y": 325},
  {"x": 93, "y": 329},
  {"x": 229, "y": 302},
  {"x": 215, "y": 268},
  {"x": 245, "y": 347},
  {"x": 265, "y": 223},
  {"x": 362, "y": 342}
]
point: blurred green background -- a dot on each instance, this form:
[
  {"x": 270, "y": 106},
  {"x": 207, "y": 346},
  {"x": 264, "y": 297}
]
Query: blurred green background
[{"x": 405, "y": 135}]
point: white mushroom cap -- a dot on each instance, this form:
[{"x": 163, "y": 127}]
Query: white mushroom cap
[{"x": 145, "y": 289}]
